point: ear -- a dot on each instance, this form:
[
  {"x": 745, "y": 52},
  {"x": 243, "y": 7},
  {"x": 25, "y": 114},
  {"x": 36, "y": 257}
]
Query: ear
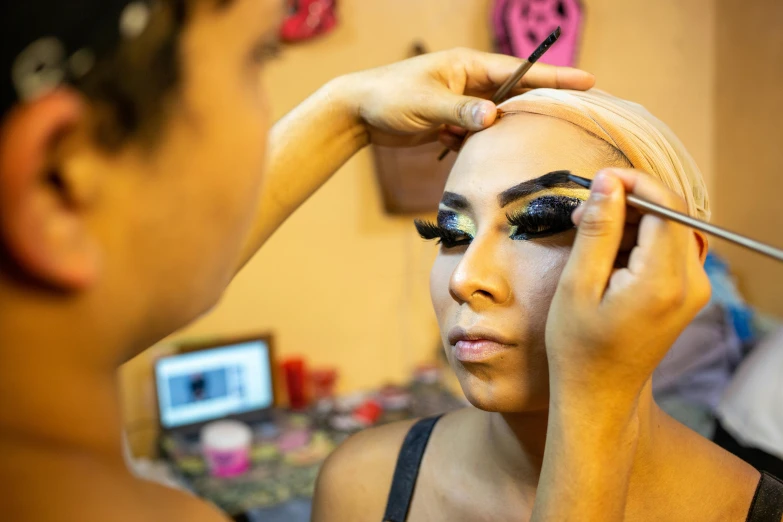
[
  {"x": 702, "y": 245},
  {"x": 42, "y": 198}
]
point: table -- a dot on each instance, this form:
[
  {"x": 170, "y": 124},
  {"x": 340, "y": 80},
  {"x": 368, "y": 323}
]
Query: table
[{"x": 286, "y": 457}]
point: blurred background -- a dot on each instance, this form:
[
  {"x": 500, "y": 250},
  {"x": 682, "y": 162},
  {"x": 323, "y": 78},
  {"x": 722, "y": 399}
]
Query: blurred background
[{"x": 344, "y": 285}]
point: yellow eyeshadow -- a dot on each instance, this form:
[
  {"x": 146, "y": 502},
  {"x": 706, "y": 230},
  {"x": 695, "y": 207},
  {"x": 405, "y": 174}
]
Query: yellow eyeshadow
[
  {"x": 460, "y": 222},
  {"x": 577, "y": 193}
]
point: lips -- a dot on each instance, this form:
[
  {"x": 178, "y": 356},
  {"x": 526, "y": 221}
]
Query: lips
[{"x": 476, "y": 344}]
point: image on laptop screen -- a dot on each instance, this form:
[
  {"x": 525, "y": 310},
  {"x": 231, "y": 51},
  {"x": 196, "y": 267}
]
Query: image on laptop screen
[{"x": 209, "y": 384}]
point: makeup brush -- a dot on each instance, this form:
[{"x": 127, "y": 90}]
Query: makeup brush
[
  {"x": 660, "y": 211},
  {"x": 512, "y": 80}
]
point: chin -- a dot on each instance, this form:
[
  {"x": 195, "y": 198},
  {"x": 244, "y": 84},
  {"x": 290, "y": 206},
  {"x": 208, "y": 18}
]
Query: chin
[{"x": 503, "y": 393}]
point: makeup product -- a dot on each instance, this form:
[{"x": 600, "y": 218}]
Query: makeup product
[
  {"x": 296, "y": 382},
  {"x": 512, "y": 80},
  {"x": 658, "y": 210},
  {"x": 226, "y": 446}
]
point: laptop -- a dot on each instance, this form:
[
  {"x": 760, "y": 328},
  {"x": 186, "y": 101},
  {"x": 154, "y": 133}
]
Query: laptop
[{"x": 231, "y": 379}]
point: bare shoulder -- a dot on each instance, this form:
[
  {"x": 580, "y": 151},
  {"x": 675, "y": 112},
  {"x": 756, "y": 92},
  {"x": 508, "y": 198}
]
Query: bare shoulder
[
  {"x": 354, "y": 481},
  {"x": 77, "y": 486},
  {"x": 171, "y": 505}
]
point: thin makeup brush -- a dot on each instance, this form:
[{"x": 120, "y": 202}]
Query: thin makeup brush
[
  {"x": 512, "y": 80},
  {"x": 664, "y": 212}
]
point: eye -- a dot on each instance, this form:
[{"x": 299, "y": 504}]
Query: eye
[
  {"x": 447, "y": 237},
  {"x": 542, "y": 217}
]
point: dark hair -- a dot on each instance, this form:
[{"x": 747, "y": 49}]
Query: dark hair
[
  {"x": 133, "y": 86},
  {"x": 129, "y": 87}
]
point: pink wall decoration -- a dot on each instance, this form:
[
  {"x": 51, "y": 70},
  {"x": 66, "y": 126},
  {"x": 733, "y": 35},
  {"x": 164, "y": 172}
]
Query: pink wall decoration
[
  {"x": 307, "y": 19},
  {"x": 521, "y": 25}
]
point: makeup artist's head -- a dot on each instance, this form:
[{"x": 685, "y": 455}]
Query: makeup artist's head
[
  {"x": 505, "y": 230},
  {"x": 167, "y": 126}
]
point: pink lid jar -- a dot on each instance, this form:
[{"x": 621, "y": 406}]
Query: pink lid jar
[{"x": 226, "y": 446}]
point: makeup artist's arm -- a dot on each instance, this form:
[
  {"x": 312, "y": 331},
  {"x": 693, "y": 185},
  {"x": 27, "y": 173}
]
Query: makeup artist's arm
[
  {"x": 607, "y": 330},
  {"x": 404, "y": 103}
]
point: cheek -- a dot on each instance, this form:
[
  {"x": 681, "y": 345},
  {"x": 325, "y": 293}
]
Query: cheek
[
  {"x": 440, "y": 275},
  {"x": 234, "y": 160},
  {"x": 534, "y": 281},
  {"x": 535, "y": 278}
]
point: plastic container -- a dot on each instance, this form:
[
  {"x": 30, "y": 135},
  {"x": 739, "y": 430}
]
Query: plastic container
[
  {"x": 296, "y": 382},
  {"x": 226, "y": 447}
]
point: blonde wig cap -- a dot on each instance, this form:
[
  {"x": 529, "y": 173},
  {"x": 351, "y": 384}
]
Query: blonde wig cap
[{"x": 647, "y": 143}]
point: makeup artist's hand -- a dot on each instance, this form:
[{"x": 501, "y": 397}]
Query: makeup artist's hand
[
  {"x": 609, "y": 327},
  {"x": 410, "y": 102},
  {"x": 612, "y": 320}
]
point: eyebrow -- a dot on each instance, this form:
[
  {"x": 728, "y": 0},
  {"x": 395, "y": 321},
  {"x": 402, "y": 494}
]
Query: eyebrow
[
  {"x": 557, "y": 178},
  {"x": 455, "y": 201}
]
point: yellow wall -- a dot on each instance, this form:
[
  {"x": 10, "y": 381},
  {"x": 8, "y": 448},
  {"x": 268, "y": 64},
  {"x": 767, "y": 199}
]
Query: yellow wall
[
  {"x": 660, "y": 54},
  {"x": 346, "y": 285},
  {"x": 749, "y": 155}
]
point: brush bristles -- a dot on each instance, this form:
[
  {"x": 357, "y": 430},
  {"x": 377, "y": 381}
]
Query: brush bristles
[{"x": 545, "y": 45}]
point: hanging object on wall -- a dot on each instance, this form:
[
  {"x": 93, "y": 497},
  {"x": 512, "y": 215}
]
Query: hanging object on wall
[
  {"x": 307, "y": 19},
  {"x": 520, "y": 25},
  {"x": 411, "y": 179}
]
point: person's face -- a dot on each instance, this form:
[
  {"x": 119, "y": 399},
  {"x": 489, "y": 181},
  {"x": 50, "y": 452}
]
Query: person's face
[
  {"x": 185, "y": 210},
  {"x": 503, "y": 247}
]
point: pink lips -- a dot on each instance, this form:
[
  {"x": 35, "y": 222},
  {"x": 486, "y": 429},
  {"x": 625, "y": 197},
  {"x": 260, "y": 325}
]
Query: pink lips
[{"x": 476, "y": 345}]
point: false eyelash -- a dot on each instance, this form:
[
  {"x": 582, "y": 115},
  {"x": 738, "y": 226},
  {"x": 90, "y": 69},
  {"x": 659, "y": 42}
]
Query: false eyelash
[
  {"x": 545, "y": 216},
  {"x": 448, "y": 238}
]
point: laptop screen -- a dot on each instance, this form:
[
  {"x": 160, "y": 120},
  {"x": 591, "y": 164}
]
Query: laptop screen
[{"x": 209, "y": 384}]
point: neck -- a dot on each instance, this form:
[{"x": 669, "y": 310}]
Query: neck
[
  {"x": 58, "y": 389},
  {"x": 517, "y": 440}
]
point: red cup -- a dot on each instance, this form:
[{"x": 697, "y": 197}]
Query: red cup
[{"x": 296, "y": 381}]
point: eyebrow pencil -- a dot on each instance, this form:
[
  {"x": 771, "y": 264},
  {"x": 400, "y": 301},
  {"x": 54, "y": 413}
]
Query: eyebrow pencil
[
  {"x": 673, "y": 215},
  {"x": 512, "y": 80}
]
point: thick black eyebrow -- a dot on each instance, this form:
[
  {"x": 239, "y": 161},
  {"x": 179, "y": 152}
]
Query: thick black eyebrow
[
  {"x": 557, "y": 178},
  {"x": 455, "y": 201}
]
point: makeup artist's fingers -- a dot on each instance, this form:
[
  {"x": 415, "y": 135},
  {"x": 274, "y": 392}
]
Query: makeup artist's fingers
[
  {"x": 630, "y": 237},
  {"x": 452, "y": 129},
  {"x": 450, "y": 140},
  {"x": 545, "y": 75},
  {"x": 630, "y": 230},
  {"x": 454, "y": 109},
  {"x": 632, "y": 215},
  {"x": 601, "y": 227},
  {"x": 488, "y": 71},
  {"x": 452, "y": 137},
  {"x": 406, "y": 103},
  {"x": 661, "y": 243}
]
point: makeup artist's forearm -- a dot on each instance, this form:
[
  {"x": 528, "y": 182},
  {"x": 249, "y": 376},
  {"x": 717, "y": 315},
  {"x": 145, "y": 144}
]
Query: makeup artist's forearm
[
  {"x": 306, "y": 147},
  {"x": 588, "y": 459}
]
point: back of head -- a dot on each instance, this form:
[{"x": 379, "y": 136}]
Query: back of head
[
  {"x": 645, "y": 141},
  {"x": 109, "y": 110}
]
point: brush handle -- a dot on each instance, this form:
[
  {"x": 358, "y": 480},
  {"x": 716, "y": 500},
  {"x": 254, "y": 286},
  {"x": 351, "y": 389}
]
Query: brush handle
[
  {"x": 684, "y": 219},
  {"x": 673, "y": 215},
  {"x": 511, "y": 81},
  {"x": 501, "y": 92},
  {"x": 518, "y": 74}
]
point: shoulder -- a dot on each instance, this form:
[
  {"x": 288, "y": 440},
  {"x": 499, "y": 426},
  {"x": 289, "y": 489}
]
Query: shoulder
[
  {"x": 354, "y": 481},
  {"x": 79, "y": 487},
  {"x": 173, "y": 504}
]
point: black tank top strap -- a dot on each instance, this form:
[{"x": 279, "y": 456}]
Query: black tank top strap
[
  {"x": 407, "y": 470},
  {"x": 767, "y": 505}
]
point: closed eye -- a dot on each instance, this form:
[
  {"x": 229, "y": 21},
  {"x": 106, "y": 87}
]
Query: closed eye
[
  {"x": 543, "y": 217},
  {"x": 447, "y": 237}
]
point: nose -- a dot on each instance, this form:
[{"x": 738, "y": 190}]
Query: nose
[{"x": 479, "y": 278}]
